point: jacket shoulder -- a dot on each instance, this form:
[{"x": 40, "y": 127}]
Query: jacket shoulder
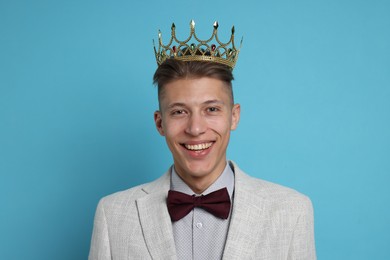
[
  {"x": 277, "y": 195},
  {"x": 130, "y": 195},
  {"x": 277, "y": 192}
]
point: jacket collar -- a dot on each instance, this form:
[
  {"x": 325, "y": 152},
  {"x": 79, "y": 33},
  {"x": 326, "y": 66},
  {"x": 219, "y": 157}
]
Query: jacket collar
[
  {"x": 247, "y": 213},
  {"x": 155, "y": 220}
]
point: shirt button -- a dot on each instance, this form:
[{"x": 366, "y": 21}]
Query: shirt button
[{"x": 199, "y": 225}]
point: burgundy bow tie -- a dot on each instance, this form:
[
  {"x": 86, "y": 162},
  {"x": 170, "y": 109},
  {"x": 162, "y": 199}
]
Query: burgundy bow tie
[{"x": 180, "y": 204}]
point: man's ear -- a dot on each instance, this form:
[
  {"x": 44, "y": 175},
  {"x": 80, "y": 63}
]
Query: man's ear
[
  {"x": 158, "y": 122},
  {"x": 236, "y": 110}
]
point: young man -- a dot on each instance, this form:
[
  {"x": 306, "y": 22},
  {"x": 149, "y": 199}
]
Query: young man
[{"x": 203, "y": 207}]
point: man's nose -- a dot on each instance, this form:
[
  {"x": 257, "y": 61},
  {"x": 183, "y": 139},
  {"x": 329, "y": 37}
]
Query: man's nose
[{"x": 196, "y": 125}]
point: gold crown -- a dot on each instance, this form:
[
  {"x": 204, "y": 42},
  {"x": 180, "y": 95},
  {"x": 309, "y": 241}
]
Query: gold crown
[{"x": 194, "y": 49}]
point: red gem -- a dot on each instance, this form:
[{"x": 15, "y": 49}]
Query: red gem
[
  {"x": 174, "y": 48},
  {"x": 213, "y": 47}
]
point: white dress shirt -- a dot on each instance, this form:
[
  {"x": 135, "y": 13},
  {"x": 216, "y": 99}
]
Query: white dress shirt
[{"x": 200, "y": 235}]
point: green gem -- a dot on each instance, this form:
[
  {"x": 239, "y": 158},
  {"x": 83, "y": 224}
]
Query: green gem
[{"x": 192, "y": 46}]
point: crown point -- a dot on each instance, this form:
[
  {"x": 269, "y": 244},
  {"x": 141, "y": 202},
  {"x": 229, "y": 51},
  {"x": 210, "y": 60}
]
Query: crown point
[
  {"x": 215, "y": 25},
  {"x": 233, "y": 30},
  {"x": 173, "y": 26},
  {"x": 192, "y": 23}
]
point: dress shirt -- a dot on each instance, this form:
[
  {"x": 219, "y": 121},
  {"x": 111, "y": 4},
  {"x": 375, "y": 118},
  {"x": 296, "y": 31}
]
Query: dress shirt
[{"x": 200, "y": 235}]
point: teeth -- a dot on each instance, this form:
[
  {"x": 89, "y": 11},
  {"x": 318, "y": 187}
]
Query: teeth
[{"x": 197, "y": 147}]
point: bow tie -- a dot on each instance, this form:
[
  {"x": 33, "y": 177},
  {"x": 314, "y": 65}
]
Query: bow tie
[{"x": 180, "y": 204}]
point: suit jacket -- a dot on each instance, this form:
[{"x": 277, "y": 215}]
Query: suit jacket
[{"x": 268, "y": 221}]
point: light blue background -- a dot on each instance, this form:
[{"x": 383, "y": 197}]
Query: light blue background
[{"x": 77, "y": 103}]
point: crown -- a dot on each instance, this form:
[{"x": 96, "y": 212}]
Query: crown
[{"x": 194, "y": 49}]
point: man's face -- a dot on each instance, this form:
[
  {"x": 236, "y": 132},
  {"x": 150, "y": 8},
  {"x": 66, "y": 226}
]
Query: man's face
[{"x": 196, "y": 118}]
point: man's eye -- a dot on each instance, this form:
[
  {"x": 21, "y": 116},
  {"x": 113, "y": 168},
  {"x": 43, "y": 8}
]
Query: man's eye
[
  {"x": 178, "y": 112},
  {"x": 212, "y": 109}
]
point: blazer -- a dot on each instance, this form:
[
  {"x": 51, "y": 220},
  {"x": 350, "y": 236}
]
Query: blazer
[{"x": 268, "y": 221}]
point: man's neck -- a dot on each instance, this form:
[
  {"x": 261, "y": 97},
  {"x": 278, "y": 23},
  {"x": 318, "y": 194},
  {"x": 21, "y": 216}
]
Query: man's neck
[{"x": 199, "y": 184}]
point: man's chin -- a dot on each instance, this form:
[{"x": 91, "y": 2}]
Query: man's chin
[{"x": 198, "y": 169}]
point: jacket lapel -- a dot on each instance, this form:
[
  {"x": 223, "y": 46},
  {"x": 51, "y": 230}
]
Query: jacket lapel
[
  {"x": 155, "y": 221},
  {"x": 247, "y": 221}
]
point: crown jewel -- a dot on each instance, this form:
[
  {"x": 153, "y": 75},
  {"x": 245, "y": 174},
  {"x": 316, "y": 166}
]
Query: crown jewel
[{"x": 195, "y": 49}]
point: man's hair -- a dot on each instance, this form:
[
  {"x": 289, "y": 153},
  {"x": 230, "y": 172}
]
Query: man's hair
[{"x": 171, "y": 70}]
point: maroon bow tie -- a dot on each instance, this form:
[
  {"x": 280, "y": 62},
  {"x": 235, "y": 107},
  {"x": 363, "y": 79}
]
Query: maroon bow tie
[{"x": 180, "y": 204}]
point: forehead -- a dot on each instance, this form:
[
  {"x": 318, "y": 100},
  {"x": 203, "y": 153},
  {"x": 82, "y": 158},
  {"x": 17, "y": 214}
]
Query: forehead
[{"x": 195, "y": 90}]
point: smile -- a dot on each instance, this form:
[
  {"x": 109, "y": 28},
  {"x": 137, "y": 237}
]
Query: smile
[{"x": 198, "y": 147}]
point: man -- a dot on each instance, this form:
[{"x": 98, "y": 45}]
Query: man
[{"x": 203, "y": 207}]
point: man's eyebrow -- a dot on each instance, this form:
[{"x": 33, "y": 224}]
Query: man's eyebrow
[
  {"x": 176, "y": 104},
  {"x": 207, "y": 102},
  {"x": 214, "y": 101}
]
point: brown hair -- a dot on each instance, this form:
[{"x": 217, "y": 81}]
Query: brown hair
[{"x": 172, "y": 69}]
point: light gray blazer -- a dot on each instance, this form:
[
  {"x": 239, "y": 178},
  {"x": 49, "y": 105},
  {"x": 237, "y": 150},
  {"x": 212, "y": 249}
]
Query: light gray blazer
[{"x": 268, "y": 221}]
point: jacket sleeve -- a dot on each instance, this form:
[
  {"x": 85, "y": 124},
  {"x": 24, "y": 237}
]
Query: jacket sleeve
[
  {"x": 302, "y": 245},
  {"x": 100, "y": 243}
]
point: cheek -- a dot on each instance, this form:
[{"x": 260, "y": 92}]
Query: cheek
[
  {"x": 220, "y": 124},
  {"x": 172, "y": 128}
]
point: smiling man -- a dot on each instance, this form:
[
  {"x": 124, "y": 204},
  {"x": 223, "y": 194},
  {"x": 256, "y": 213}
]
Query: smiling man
[
  {"x": 204, "y": 206},
  {"x": 196, "y": 116}
]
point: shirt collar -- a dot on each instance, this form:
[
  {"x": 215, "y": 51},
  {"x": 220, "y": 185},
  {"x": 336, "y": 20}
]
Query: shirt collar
[{"x": 226, "y": 179}]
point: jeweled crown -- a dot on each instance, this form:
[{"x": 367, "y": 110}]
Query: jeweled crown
[{"x": 195, "y": 49}]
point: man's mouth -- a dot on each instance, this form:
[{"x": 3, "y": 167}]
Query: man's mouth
[{"x": 198, "y": 147}]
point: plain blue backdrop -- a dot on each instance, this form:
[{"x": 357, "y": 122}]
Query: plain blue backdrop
[{"x": 77, "y": 103}]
